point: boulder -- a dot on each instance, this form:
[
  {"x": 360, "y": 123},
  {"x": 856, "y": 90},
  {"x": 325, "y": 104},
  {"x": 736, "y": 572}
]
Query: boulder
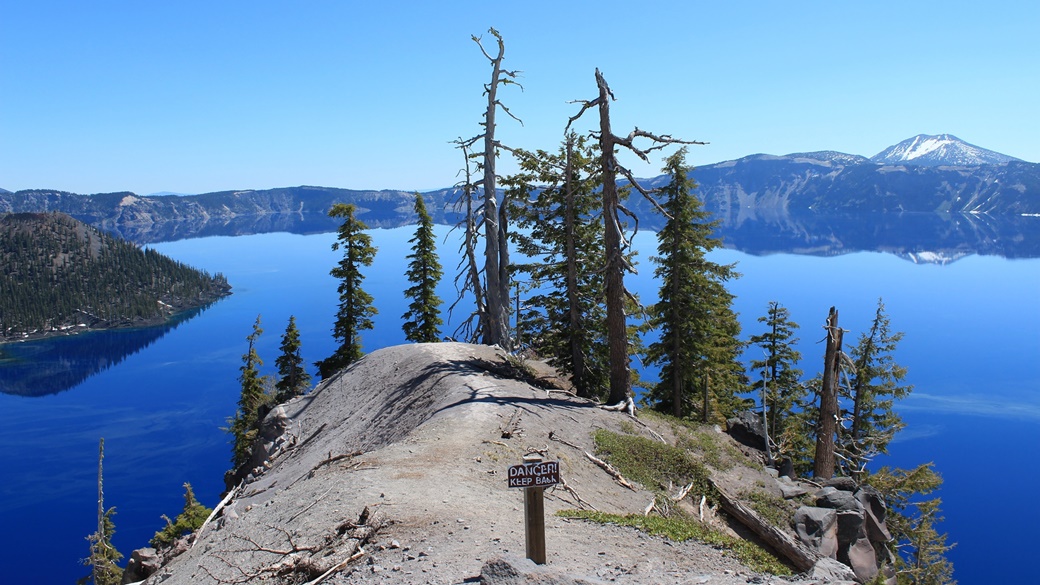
[
  {"x": 831, "y": 571},
  {"x": 512, "y": 570},
  {"x": 143, "y": 563},
  {"x": 874, "y": 514},
  {"x": 817, "y": 528},
  {"x": 845, "y": 484},
  {"x": 850, "y": 528},
  {"x": 835, "y": 499},
  {"x": 790, "y": 489},
  {"x": 860, "y": 556},
  {"x": 746, "y": 428}
]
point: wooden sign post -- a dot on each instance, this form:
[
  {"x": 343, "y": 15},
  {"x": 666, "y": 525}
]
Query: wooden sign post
[{"x": 534, "y": 476}]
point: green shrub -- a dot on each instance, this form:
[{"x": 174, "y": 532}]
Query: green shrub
[
  {"x": 188, "y": 521},
  {"x": 680, "y": 528},
  {"x": 652, "y": 463}
]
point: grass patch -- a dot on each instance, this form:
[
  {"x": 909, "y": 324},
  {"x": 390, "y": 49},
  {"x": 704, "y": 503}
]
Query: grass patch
[
  {"x": 680, "y": 528},
  {"x": 651, "y": 463},
  {"x": 773, "y": 509}
]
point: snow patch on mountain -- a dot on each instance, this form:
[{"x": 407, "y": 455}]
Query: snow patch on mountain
[
  {"x": 831, "y": 156},
  {"x": 939, "y": 150}
]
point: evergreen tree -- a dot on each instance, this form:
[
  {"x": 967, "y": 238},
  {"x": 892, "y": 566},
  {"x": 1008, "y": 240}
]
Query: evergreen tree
[
  {"x": 781, "y": 379},
  {"x": 355, "y": 305},
  {"x": 563, "y": 319},
  {"x": 876, "y": 382},
  {"x": 698, "y": 345},
  {"x": 189, "y": 520},
  {"x": 917, "y": 548},
  {"x": 293, "y": 379},
  {"x": 422, "y": 321},
  {"x": 252, "y": 399},
  {"x": 103, "y": 555}
]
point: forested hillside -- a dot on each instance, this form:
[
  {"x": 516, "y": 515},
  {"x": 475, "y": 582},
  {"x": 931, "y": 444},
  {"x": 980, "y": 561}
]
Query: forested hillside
[{"x": 59, "y": 274}]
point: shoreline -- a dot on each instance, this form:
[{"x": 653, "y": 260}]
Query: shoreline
[{"x": 98, "y": 326}]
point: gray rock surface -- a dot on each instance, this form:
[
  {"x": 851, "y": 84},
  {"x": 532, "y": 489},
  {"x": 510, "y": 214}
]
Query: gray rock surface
[
  {"x": 790, "y": 489},
  {"x": 836, "y": 499},
  {"x": 746, "y": 427},
  {"x": 860, "y": 556},
  {"x": 831, "y": 571},
  {"x": 817, "y": 528},
  {"x": 843, "y": 483},
  {"x": 142, "y": 564},
  {"x": 875, "y": 513}
]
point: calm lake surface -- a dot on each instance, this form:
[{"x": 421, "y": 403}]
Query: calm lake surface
[{"x": 160, "y": 396}]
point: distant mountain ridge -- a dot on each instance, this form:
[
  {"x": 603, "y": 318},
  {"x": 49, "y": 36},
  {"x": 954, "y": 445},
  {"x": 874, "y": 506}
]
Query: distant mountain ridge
[{"x": 924, "y": 174}]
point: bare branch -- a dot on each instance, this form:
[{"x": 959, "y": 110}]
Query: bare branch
[
  {"x": 510, "y": 114},
  {"x": 585, "y": 105}
]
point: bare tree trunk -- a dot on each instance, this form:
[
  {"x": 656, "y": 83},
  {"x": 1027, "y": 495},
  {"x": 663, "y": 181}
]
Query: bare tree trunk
[
  {"x": 614, "y": 243},
  {"x": 826, "y": 426},
  {"x": 496, "y": 250},
  {"x": 617, "y": 333}
]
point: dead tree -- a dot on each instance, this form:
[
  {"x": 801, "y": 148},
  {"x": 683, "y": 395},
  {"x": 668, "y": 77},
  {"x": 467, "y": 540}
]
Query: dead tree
[
  {"x": 827, "y": 424},
  {"x": 468, "y": 276},
  {"x": 614, "y": 241},
  {"x": 495, "y": 319}
]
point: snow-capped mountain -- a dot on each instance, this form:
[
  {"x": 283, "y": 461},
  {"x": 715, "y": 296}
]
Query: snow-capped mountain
[{"x": 941, "y": 150}]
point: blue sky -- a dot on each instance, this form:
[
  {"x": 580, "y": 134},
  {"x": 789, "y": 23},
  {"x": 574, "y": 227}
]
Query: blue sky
[{"x": 193, "y": 97}]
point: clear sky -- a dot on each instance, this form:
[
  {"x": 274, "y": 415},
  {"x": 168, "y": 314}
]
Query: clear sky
[{"x": 191, "y": 97}]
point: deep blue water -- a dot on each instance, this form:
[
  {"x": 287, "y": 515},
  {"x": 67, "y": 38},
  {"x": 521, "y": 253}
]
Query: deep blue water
[{"x": 972, "y": 340}]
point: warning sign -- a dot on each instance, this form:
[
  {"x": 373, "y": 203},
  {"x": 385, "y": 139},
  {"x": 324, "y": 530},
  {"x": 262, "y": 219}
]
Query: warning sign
[{"x": 541, "y": 474}]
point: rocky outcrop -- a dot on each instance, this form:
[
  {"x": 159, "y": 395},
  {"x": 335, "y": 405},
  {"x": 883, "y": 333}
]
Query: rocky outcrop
[
  {"x": 848, "y": 525},
  {"x": 142, "y": 564},
  {"x": 747, "y": 429},
  {"x": 271, "y": 441}
]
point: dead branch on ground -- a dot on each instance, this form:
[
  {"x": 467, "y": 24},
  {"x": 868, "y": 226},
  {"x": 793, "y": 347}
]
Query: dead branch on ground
[
  {"x": 213, "y": 514},
  {"x": 611, "y": 470}
]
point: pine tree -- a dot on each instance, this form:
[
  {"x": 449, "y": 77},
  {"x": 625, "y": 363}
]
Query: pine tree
[
  {"x": 876, "y": 382},
  {"x": 563, "y": 319},
  {"x": 355, "y": 305},
  {"x": 917, "y": 547},
  {"x": 103, "y": 555},
  {"x": 293, "y": 379},
  {"x": 781, "y": 379},
  {"x": 253, "y": 398},
  {"x": 189, "y": 520},
  {"x": 422, "y": 321},
  {"x": 698, "y": 345}
]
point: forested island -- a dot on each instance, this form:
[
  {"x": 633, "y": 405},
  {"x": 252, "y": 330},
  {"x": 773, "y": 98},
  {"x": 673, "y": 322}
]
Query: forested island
[{"x": 61, "y": 276}]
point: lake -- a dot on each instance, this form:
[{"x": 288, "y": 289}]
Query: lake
[{"x": 160, "y": 396}]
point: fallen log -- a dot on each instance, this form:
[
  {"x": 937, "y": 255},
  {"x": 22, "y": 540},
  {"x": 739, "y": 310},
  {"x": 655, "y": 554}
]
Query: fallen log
[{"x": 784, "y": 544}]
